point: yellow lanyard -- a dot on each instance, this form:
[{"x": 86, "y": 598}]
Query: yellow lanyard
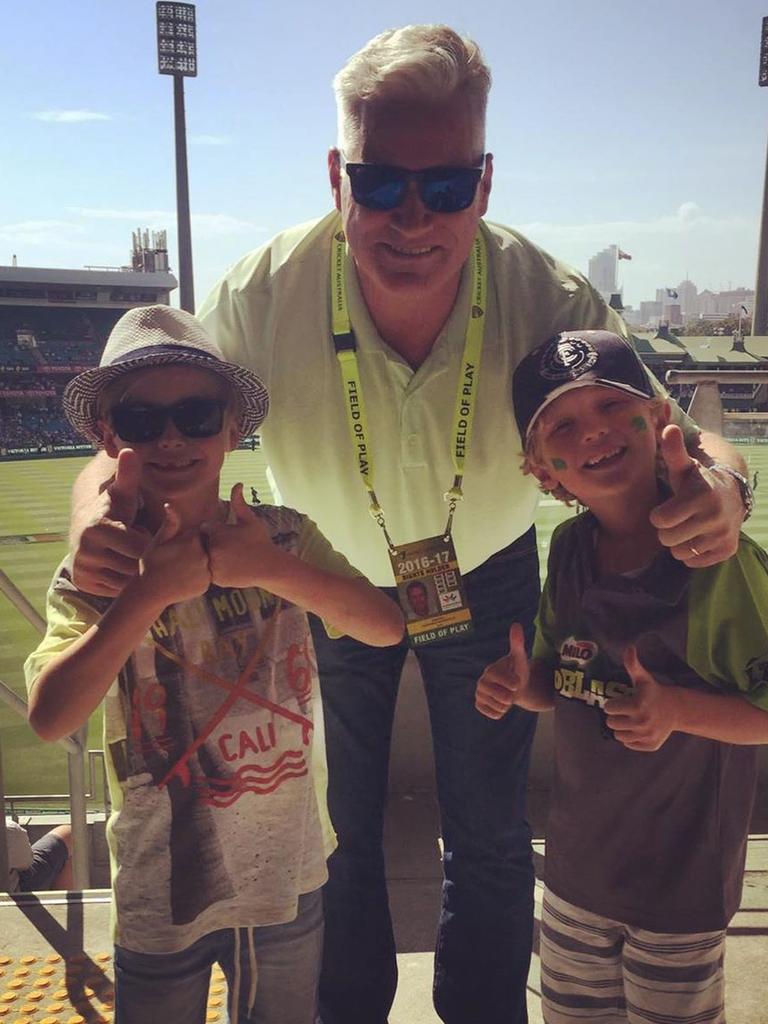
[{"x": 466, "y": 390}]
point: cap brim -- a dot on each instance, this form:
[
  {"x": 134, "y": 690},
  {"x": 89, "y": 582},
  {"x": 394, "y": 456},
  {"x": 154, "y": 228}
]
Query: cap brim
[{"x": 582, "y": 382}]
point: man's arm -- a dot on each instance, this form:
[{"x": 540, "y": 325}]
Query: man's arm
[{"x": 105, "y": 545}]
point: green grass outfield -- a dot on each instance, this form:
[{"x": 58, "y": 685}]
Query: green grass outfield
[{"x": 34, "y": 512}]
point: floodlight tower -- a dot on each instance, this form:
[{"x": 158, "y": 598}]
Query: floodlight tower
[
  {"x": 177, "y": 56},
  {"x": 760, "y": 312}
]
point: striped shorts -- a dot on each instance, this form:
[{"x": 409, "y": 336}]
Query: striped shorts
[{"x": 596, "y": 969}]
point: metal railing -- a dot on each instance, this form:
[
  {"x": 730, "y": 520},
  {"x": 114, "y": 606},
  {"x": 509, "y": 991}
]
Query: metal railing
[
  {"x": 75, "y": 746},
  {"x": 706, "y": 406}
]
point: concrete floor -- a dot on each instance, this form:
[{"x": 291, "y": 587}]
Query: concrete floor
[
  {"x": 414, "y": 879},
  {"x": 77, "y": 930}
]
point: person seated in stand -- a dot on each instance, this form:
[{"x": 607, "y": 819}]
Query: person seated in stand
[
  {"x": 658, "y": 677},
  {"x": 207, "y": 671},
  {"x": 42, "y": 865}
]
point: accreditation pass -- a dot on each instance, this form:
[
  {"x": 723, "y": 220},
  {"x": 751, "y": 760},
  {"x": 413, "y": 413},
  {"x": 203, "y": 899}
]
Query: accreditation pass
[{"x": 430, "y": 590}]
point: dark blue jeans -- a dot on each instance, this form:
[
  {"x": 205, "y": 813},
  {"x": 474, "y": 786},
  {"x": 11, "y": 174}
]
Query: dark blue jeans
[{"x": 484, "y": 936}]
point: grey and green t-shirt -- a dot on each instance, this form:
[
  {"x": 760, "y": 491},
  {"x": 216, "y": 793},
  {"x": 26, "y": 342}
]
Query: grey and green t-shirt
[{"x": 656, "y": 839}]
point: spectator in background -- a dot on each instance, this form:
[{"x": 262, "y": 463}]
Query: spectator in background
[{"x": 44, "y": 864}]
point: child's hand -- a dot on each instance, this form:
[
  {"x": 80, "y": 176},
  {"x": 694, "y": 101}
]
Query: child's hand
[
  {"x": 238, "y": 553},
  {"x": 505, "y": 681},
  {"x": 646, "y": 719},
  {"x": 108, "y": 546},
  {"x": 175, "y": 565}
]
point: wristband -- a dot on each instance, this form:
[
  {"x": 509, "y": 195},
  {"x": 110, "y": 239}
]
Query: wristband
[{"x": 745, "y": 489}]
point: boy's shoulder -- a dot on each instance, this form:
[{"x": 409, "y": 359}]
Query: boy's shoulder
[
  {"x": 280, "y": 520},
  {"x": 574, "y": 531},
  {"x": 746, "y": 568}
]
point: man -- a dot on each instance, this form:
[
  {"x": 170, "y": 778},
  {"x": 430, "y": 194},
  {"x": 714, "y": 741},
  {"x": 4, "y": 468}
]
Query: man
[{"x": 429, "y": 312}]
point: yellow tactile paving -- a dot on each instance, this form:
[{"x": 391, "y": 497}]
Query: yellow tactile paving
[{"x": 25, "y": 988}]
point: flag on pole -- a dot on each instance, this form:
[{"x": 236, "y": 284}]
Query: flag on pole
[
  {"x": 672, "y": 293},
  {"x": 624, "y": 255},
  {"x": 744, "y": 310}
]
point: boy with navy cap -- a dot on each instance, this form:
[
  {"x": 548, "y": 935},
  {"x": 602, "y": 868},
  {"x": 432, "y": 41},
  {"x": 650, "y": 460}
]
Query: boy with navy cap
[
  {"x": 205, "y": 664},
  {"x": 658, "y": 677}
]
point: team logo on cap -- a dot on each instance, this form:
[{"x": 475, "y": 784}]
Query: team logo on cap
[{"x": 567, "y": 359}]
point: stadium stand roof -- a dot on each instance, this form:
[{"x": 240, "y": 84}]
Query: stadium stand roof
[
  {"x": 701, "y": 350},
  {"x": 161, "y": 280}
]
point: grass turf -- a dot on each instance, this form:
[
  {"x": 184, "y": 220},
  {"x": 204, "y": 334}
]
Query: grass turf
[{"x": 34, "y": 515}]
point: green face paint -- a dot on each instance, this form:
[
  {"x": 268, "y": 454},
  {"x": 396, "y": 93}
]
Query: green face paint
[
  {"x": 558, "y": 464},
  {"x": 639, "y": 423}
]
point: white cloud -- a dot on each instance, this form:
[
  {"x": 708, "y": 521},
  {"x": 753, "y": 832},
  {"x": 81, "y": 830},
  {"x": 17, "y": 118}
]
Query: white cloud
[
  {"x": 210, "y": 140},
  {"x": 204, "y": 225},
  {"x": 70, "y": 116},
  {"x": 39, "y": 232},
  {"x": 686, "y": 219}
]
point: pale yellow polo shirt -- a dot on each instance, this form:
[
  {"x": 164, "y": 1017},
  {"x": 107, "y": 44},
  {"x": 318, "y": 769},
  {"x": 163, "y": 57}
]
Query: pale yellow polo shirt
[{"x": 271, "y": 313}]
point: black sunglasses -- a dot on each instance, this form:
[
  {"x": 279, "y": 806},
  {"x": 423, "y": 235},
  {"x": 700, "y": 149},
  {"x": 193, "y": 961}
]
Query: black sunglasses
[
  {"x": 192, "y": 417},
  {"x": 441, "y": 189}
]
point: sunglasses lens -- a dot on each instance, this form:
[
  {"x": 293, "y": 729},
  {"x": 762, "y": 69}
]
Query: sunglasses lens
[
  {"x": 449, "y": 190},
  {"x": 199, "y": 417},
  {"x": 377, "y": 187},
  {"x": 192, "y": 417},
  {"x": 138, "y": 423}
]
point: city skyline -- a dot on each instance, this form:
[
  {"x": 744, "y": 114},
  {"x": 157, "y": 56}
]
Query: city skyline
[{"x": 606, "y": 129}]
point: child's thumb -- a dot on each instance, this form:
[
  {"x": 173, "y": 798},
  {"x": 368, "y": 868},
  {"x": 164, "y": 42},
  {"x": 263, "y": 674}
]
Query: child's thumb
[
  {"x": 243, "y": 512},
  {"x": 169, "y": 526}
]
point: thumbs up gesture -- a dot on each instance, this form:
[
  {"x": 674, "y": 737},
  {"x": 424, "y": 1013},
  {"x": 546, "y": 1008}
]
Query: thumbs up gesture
[
  {"x": 123, "y": 491},
  {"x": 700, "y": 523},
  {"x": 504, "y": 682},
  {"x": 174, "y": 566},
  {"x": 107, "y": 549},
  {"x": 646, "y": 719},
  {"x": 238, "y": 552}
]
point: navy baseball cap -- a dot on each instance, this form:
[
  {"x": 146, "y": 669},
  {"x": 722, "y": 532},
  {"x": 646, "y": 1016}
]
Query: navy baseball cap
[{"x": 574, "y": 359}]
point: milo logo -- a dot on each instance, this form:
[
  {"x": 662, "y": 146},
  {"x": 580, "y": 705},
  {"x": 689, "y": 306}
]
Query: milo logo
[{"x": 579, "y": 652}]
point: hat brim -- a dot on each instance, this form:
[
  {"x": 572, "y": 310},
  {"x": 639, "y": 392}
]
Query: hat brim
[{"x": 82, "y": 394}]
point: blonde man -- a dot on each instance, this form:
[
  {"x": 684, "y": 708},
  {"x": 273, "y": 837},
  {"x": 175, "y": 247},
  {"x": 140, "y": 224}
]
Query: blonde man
[{"x": 410, "y": 179}]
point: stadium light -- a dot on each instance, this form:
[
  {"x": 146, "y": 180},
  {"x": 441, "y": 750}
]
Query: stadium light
[
  {"x": 760, "y": 312},
  {"x": 177, "y": 56}
]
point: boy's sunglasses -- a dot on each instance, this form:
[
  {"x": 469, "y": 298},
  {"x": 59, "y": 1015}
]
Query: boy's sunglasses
[
  {"x": 441, "y": 189},
  {"x": 192, "y": 417}
]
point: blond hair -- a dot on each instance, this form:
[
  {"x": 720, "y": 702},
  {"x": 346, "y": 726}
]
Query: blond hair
[
  {"x": 427, "y": 64},
  {"x": 533, "y": 459}
]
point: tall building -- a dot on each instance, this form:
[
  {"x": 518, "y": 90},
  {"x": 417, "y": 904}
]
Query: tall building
[
  {"x": 689, "y": 299},
  {"x": 603, "y": 271}
]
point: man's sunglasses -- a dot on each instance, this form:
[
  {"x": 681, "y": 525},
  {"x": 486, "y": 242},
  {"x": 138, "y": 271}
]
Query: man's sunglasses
[
  {"x": 192, "y": 417},
  {"x": 441, "y": 189}
]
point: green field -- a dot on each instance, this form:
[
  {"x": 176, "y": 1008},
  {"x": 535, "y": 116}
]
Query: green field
[{"x": 33, "y": 518}]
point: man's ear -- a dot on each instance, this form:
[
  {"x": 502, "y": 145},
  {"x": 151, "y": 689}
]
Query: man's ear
[
  {"x": 485, "y": 184},
  {"x": 334, "y": 175}
]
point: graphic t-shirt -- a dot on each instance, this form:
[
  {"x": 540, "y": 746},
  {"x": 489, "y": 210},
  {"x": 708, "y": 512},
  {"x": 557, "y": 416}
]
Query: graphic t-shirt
[
  {"x": 216, "y": 774},
  {"x": 653, "y": 839}
]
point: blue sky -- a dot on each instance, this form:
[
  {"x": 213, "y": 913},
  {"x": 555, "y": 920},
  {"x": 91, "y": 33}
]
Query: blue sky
[{"x": 639, "y": 124}]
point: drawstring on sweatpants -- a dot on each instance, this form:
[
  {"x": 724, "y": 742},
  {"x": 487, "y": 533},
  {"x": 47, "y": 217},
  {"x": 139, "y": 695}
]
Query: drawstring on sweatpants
[{"x": 252, "y": 970}]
